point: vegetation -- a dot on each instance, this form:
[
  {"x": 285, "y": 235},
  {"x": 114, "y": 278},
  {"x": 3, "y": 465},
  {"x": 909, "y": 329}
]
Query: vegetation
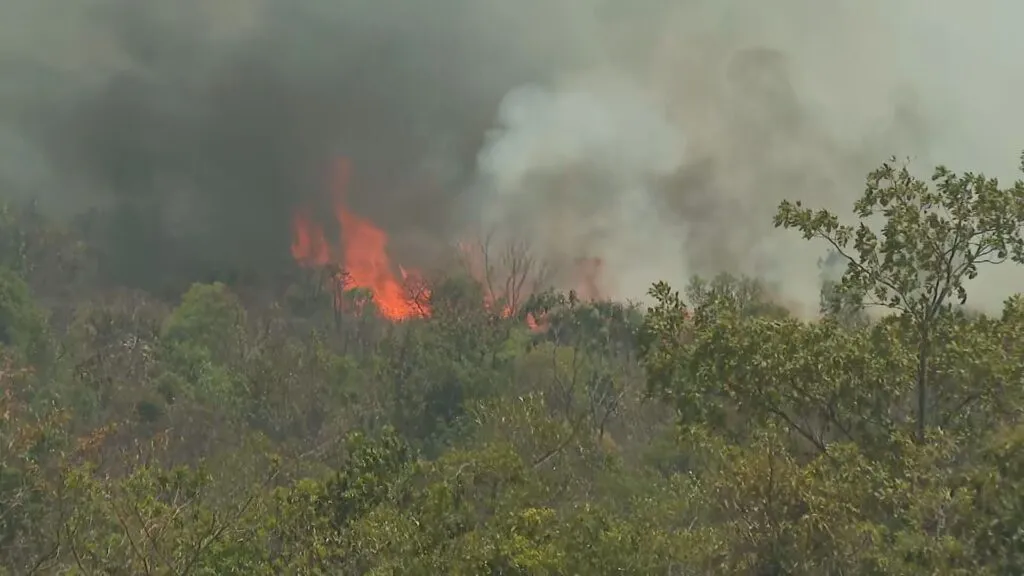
[{"x": 712, "y": 433}]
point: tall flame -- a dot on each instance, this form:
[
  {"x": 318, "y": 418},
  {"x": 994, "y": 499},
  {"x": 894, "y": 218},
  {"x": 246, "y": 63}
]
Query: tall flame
[{"x": 364, "y": 254}]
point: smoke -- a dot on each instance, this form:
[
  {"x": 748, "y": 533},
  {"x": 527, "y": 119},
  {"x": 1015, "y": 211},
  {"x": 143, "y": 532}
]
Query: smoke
[
  {"x": 793, "y": 100},
  {"x": 658, "y": 137},
  {"x": 589, "y": 156}
]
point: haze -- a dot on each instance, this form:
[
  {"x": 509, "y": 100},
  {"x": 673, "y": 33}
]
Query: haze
[{"x": 656, "y": 136}]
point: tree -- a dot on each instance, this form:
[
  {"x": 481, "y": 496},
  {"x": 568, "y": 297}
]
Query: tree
[
  {"x": 200, "y": 339},
  {"x": 931, "y": 242},
  {"x": 808, "y": 457},
  {"x": 509, "y": 275},
  {"x": 209, "y": 316},
  {"x": 29, "y": 442},
  {"x": 22, "y": 323},
  {"x": 514, "y": 431}
]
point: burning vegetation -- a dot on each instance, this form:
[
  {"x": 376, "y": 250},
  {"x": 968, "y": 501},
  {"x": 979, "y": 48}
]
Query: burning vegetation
[
  {"x": 358, "y": 257},
  {"x": 361, "y": 255}
]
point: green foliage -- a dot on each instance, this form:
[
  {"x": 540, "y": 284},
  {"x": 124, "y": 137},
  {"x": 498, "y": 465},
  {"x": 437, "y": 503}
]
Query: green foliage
[
  {"x": 711, "y": 433},
  {"x": 747, "y": 296},
  {"x": 201, "y": 337},
  {"x": 373, "y": 474},
  {"x": 842, "y": 445},
  {"x": 28, "y": 438},
  {"x": 931, "y": 242},
  {"x": 23, "y": 326},
  {"x": 932, "y": 239},
  {"x": 210, "y": 317},
  {"x": 820, "y": 380}
]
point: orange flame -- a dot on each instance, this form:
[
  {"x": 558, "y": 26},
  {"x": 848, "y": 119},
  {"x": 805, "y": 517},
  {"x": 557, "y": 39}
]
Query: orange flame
[
  {"x": 364, "y": 258},
  {"x": 309, "y": 247},
  {"x": 364, "y": 255}
]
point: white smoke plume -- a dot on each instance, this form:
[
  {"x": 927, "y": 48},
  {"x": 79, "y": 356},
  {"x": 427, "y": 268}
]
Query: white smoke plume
[
  {"x": 794, "y": 100},
  {"x": 590, "y": 154}
]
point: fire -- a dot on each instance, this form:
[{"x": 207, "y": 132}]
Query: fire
[
  {"x": 361, "y": 251},
  {"x": 364, "y": 254},
  {"x": 309, "y": 247},
  {"x": 474, "y": 261}
]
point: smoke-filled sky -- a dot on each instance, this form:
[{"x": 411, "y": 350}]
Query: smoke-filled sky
[{"x": 658, "y": 136}]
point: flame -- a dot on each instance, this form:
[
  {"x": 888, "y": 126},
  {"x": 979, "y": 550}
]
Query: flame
[
  {"x": 364, "y": 254},
  {"x": 533, "y": 324},
  {"x": 365, "y": 263},
  {"x": 309, "y": 246},
  {"x": 473, "y": 261}
]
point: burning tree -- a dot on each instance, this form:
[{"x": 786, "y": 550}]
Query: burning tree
[{"x": 509, "y": 272}]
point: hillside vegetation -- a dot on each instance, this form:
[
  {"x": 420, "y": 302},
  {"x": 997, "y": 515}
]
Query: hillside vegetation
[{"x": 221, "y": 432}]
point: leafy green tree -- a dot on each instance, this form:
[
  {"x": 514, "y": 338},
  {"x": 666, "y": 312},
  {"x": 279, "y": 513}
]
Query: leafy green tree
[
  {"x": 158, "y": 521},
  {"x": 931, "y": 242},
  {"x": 373, "y": 475},
  {"x": 23, "y": 325},
  {"x": 593, "y": 350},
  {"x": 749, "y": 296},
  {"x": 209, "y": 316},
  {"x": 996, "y": 512},
  {"x": 737, "y": 374},
  {"x": 297, "y": 387},
  {"x": 807, "y": 436},
  {"x": 519, "y": 431},
  {"x": 435, "y": 367},
  {"x": 201, "y": 339}
]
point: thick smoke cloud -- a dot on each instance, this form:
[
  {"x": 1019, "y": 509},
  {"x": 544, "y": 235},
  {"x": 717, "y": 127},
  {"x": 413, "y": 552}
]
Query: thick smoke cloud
[
  {"x": 656, "y": 136},
  {"x": 199, "y": 126},
  {"x": 591, "y": 157}
]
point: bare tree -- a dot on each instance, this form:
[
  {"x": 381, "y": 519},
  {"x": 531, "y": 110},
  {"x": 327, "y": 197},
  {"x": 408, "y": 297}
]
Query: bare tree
[{"x": 508, "y": 268}]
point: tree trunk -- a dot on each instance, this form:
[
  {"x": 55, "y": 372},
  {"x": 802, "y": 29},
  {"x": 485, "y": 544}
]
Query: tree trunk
[{"x": 922, "y": 384}]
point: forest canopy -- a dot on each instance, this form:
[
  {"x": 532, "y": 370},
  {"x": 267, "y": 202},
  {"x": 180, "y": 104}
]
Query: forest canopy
[{"x": 475, "y": 422}]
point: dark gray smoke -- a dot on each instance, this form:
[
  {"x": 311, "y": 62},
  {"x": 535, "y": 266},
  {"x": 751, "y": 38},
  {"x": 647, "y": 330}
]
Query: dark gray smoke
[
  {"x": 198, "y": 128},
  {"x": 656, "y": 136}
]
